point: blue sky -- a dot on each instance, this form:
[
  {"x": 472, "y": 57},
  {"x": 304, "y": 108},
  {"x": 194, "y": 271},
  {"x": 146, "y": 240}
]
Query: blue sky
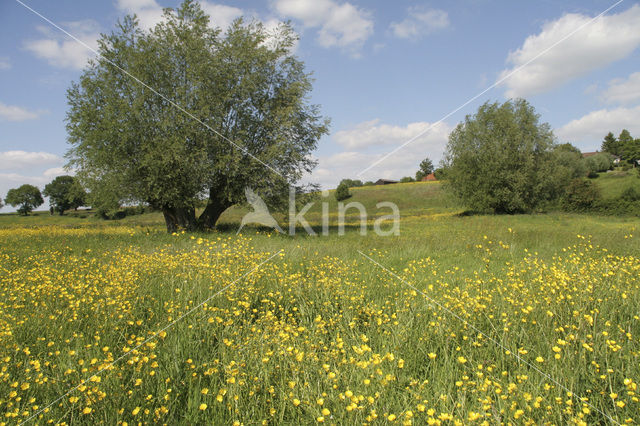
[{"x": 384, "y": 72}]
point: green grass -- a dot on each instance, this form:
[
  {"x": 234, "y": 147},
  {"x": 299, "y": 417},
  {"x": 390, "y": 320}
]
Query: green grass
[
  {"x": 613, "y": 183},
  {"x": 527, "y": 281}
]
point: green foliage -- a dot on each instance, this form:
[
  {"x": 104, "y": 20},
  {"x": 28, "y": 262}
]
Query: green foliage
[
  {"x": 501, "y": 159},
  {"x": 28, "y": 197},
  {"x": 369, "y": 183},
  {"x": 342, "y": 192},
  {"x": 352, "y": 183},
  {"x": 1, "y": 205},
  {"x": 440, "y": 173},
  {"x": 76, "y": 196},
  {"x": 168, "y": 149},
  {"x": 407, "y": 179},
  {"x": 61, "y": 192},
  {"x": 610, "y": 144},
  {"x": 599, "y": 162},
  {"x": 426, "y": 168},
  {"x": 567, "y": 147},
  {"x": 581, "y": 195}
]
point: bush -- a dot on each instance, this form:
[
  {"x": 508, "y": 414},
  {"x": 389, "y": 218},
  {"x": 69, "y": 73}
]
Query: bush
[
  {"x": 352, "y": 183},
  {"x": 599, "y": 163},
  {"x": 342, "y": 192},
  {"x": 407, "y": 179},
  {"x": 369, "y": 183},
  {"x": 631, "y": 193},
  {"x": 581, "y": 195}
]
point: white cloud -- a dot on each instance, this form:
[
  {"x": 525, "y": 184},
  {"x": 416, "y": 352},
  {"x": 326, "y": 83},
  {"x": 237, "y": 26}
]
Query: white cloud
[
  {"x": 14, "y": 160},
  {"x": 5, "y": 63},
  {"x": 420, "y": 22},
  {"x": 589, "y": 130},
  {"x": 149, "y": 12},
  {"x": 623, "y": 91},
  {"x": 16, "y": 113},
  {"x": 606, "y": 40},
  {"x": 339, "y": 25},
  {"x": 373, "y": 133},
  {"x": 63, "y": 52},
  {"x": 369, "y": 141},
  {"x": 221, "y": 16}
]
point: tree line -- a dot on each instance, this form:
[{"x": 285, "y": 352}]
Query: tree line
[{"x": 64, "y": 192}]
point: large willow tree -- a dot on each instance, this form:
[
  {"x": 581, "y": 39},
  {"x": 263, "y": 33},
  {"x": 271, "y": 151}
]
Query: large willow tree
[{"x": 205, "y": 115}]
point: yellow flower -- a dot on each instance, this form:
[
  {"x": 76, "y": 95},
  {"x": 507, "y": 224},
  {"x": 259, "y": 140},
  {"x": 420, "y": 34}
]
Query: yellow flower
[
  {"x": 87, "y": 410},
  {"x": 391, "y": 417},
  {"x": 539, "y": 359},
  {"x": 296, "y": 401},
  {"x": 135, "y": 411},
  {"x": 431, "y": 355},
  {"x": 202, "y": 407},
  {"x": 204, "y": 391},
  {"x": 462, "y": 359}
]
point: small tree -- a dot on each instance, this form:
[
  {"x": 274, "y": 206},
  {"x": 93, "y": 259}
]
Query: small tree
[
  {"x": 610, "y": 144},
  {"x": 342, "y": 192},
  {"x": 496, "y": 158},
  {"x": 426, "y": 168},
  {"x": 28, "y": 197},
  {"x": 58, "y": 192},
  {"x": 407, "y": 179},
  {"x": 1, "y": 205}
]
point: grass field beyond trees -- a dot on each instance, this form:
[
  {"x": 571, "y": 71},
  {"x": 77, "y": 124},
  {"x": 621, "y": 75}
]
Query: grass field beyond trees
[{"x": 517, "y": 319}]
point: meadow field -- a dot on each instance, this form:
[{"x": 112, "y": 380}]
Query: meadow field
[{"x": 461, "y": 319}]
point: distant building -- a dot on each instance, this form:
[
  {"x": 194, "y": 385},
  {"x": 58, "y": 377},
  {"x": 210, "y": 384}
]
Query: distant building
[
  {"x": 385, "y": 181},
  {"x": 429, "y": 178}
]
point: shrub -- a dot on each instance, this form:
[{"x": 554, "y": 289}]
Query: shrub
[
  {"x": 407, "y": 179},
  {"x": 581, "y": 195},
  {"x": 631, "y": 193},
  {"x": 342, "y": 192},
  {"x": 352, "y": 183},
  {"x": 599, "y": 163}
]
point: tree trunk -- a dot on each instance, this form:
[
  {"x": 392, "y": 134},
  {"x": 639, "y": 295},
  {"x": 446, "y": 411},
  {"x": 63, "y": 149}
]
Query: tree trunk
[
  {"x": 215, "y": 207},
  {"x": 179, "y": 218}
]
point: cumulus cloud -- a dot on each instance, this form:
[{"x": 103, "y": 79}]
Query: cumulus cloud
[
  {"x": 221, "y": 15},
  {"x": 373, "y": 133},
  {"x": 63, "y": 52},
  {"x": 150, "y": 13},
  {"x": 597, "y": 44},
  {"x": 589, "y": 130},
  {"x": 16, "y": 113},
  {"x": 339, "y": 25},
  {"x": 623, "y": 91},
  {"x": 14, "y": 160},
  {"x": 369, "y": 141},
  {"x": 419, "y": 22}
]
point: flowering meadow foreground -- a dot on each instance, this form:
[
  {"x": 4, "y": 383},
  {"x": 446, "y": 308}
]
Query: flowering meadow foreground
[{"x": 311, "y": 337}]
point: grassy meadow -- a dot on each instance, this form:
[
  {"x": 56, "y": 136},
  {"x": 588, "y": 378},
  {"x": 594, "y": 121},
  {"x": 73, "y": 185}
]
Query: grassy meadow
[{"x": 474, "y": 319}]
